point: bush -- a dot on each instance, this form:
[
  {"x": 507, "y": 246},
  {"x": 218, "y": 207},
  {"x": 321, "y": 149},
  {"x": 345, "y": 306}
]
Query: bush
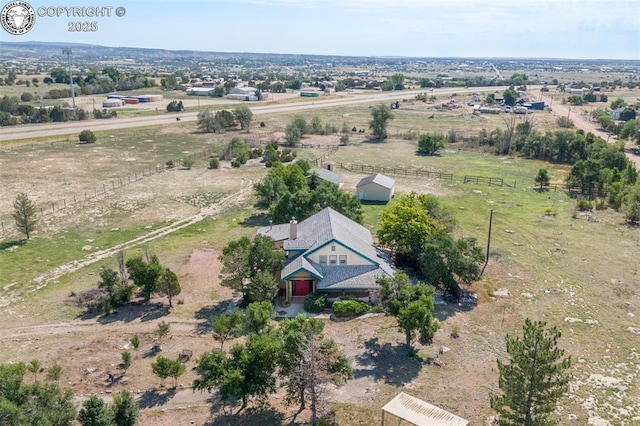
[
  {"x": 584, "y": 205},
  {"x": 315, "y": 302},
  {"x": 170, "y": 164},
  {"x": 349, "y": 308},
  {"x": 187, "y": 163},
  {"x": 235, "y": 163},
  {"x": 262, "y": 124},
  {"x": 214, "y": 163},
  {"x": 87, "y": 136},
  {"x": 564, "y": 122}
]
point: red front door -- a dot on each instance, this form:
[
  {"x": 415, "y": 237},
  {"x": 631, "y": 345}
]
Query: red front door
[{"x": 301, "y": 288}]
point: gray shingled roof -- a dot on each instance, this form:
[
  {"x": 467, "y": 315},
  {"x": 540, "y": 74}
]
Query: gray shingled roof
[
  {"x": 318, "y": 230},
  {"x": 300, "y": 263},
  {"x": 325, "y": 174},
  {"x": 381, "y": 180},
  {"x": 276, "y": 232}
]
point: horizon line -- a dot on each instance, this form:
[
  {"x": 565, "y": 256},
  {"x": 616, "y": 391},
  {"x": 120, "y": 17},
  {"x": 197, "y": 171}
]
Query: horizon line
[{"x": 324, "y": 54}]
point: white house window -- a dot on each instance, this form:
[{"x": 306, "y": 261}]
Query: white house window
[
  {"x": 333, "y": 259},
  {"x": 343, "y": 259},
  {"x": 333, "y": 248},
  {"x": 323, "y": 259}
]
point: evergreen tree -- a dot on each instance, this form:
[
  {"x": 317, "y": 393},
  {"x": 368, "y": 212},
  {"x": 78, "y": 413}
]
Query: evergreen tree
[
  {"x": 534, "y": 379},
  {"x": 95, "y": 412},
  {"x": 125, "y": 409},
  {"x": 24, "y": 213}
]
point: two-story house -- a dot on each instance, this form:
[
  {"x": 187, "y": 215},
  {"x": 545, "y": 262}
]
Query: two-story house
[{"x": 328, "y": 253}]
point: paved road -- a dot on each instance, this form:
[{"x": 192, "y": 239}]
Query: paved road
[{"x": 31, "y": 131}]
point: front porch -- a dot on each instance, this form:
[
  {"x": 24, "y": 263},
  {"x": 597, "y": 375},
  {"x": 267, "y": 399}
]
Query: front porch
[{"x": 291, "y": 309}]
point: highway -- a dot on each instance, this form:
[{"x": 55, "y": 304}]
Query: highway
[{"x": 33, "y": 131}]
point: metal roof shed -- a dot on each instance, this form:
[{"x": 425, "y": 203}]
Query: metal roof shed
[{"x": 420, "y": 413}]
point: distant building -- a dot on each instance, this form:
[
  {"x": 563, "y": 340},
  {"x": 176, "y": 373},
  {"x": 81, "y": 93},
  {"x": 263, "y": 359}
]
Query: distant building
[
  {"x": 112, "y": 103},
  {"x": 243, "y": 94},
  {"x": 616, "y": 113},
  {"x": 573, "y": 91},
  {"x": 376, "y": 188},
  {"x": 200, "y": 91}
]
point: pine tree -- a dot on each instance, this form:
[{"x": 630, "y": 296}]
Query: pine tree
[
  {"x": 534, "y": 379},
  {"x": 24, "y": 213}
]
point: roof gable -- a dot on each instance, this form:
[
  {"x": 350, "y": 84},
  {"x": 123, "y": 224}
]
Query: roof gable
[
  {"x": 379, "y": 179},
  {"x": 328, "y": 175}
]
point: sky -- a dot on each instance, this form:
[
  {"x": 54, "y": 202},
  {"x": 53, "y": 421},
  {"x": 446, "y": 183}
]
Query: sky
[{"x": 580, "y": 29}]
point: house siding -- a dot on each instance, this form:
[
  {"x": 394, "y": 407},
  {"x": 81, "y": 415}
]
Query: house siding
[
  {"x": 352, "y": 257},
  {"x": 374, "y": 192}
]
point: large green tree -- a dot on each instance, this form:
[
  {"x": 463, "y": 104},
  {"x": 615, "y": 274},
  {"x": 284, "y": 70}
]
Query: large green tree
[
  {"x": 125, "y": 409},
  {"x": 411, "y": 305},
  {"x": 168, "y": 285},
  {"x": 535, "y": 378},
  {"x": 405, "y": 228},
  {"x": 225, "y": 327},
  {"x": 24, "y": 213},
  {"x": 165, "y": 367},
  {"x": 510, "y": 96},
  {"x": 244, "y": 116},
  {"x": 244, "y": 262},
  {"x": 430, "y": 143},
  {"x": 145, "y": 274},
  {"x": 206, "y": 121},
  {"x": 444, "y": 261},
  {"x": 95, "y": 412},
  {"x": 34, "y": 404},
  {"x": 249, "y": 370},
  {"x": 309, "y": 361},
  {"x": 380, "y": 116}
]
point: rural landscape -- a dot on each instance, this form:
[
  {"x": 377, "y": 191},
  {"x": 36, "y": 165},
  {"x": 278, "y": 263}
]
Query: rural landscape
[{"x": 193, "y": 238}]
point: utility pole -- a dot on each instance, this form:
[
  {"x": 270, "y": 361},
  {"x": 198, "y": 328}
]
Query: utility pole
[{"x": 67, "y": 51}]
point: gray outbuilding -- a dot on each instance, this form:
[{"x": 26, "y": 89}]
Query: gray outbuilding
[{"x": 375, "y": 188}]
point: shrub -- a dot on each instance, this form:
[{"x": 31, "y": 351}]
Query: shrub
[
  {"x": 584, "y": 205},
  {"x": 455, "y": 331},
  {"x": 565, "y": 122},
  {"x": 170, "y": 164},
  {"x": 262, "y": 124},
  {"x": 187, "y": 163},
  {"x": 214, "y": 163},
  {"x": 315, "y": 302},
  {"x": 87, "y": 136},
  {"x": 349, "y": 308},
  {"x": 235, "y": 163}
]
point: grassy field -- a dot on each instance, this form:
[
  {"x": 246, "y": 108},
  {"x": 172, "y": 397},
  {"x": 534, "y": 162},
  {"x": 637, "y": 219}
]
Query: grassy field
[{"x": 576, "y": 270}]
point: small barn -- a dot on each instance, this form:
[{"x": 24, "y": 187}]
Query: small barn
[
  {"x": 405, "y": 409},
  {"x": 328, "y": 175},
  {"x": 375, "y": 188}
]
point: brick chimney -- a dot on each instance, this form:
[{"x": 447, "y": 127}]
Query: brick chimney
[{"x": 293, "y": 229}]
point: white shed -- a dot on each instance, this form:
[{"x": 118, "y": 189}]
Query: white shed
[{"x": 375, "y": 188}]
